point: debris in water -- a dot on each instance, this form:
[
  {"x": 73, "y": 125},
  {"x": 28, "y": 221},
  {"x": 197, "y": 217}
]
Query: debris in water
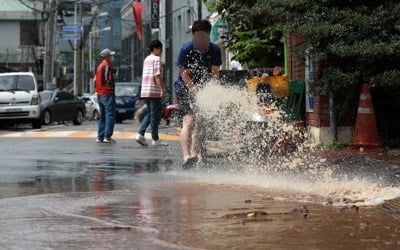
[
  {"x": 253, "y": 214},
  {"x": 364, "y": 225},
  {"x": 112, "y": 228},
  {"x": 353, "y": 208},
  {"x": 302, "y": 210}
]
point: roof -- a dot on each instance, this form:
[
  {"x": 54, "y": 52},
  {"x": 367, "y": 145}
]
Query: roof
[
  {"x": 15, "y": 5},
  {"x": 17, "y": 74},
  {"x": 15, "y": 10}
]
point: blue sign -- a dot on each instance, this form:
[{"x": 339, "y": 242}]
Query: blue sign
[
  {"x": 69, "y": 36},
  {"x": 75, "y": 28}
]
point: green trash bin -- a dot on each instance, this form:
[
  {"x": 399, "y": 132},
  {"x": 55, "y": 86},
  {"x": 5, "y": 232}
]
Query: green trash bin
[{"x": 294, "y": 106}]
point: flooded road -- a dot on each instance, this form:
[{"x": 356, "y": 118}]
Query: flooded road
[{"x": 81, "y": 195}]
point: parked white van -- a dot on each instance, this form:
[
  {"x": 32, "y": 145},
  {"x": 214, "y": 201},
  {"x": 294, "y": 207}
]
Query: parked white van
[{"x": 19, "y": 98}]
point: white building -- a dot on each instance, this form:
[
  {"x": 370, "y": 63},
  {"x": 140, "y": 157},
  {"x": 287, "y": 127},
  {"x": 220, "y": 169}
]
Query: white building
[{"x": 20, "y": 42}]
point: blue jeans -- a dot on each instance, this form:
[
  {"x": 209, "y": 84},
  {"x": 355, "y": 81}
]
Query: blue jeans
[
  {"x": 153, "y": 117},
  {"x": 107, "y": 117}
]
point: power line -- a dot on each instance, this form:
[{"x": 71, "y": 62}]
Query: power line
[{"x": 29, "y": 7}]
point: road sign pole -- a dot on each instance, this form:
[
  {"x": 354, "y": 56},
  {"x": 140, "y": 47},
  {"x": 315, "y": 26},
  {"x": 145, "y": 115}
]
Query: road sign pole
[{"x": 75, "y": 51}]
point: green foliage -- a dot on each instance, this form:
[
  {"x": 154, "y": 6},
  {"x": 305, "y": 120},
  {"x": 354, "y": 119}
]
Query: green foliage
[
  {"x": 333, "y": 145},
  {"x": 357, "y": 41},
  {"x": 252, "y": 36}
]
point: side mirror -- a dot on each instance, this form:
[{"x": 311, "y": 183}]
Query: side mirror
[
  {"x": 56, "y": 99},
  {"x": 40, "y": 88}
]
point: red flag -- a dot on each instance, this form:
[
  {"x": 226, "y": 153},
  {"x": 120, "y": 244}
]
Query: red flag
[{"x": 137, "y": 15}]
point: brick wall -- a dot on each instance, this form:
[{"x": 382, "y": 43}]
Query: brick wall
[
  {"x": 320, "y": 116},
  {"x": 296, "y": 61}
]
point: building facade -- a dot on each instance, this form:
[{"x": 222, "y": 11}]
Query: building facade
[
  {"x": 21, "y": 47},
  {"x": 168, "y": 21}
]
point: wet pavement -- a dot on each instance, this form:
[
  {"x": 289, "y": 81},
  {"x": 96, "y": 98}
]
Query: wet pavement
[{"x": 71, "y": 193}]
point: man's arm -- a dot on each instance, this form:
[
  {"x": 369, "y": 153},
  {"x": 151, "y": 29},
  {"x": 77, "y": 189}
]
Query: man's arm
[
  {"x": 216, "y": 64},
  {"x": 186, "y": 79},
  {"x": 215, "y": 72},
  {"x": 158, "y": 77},
  {"x": 160, "y": 82}
]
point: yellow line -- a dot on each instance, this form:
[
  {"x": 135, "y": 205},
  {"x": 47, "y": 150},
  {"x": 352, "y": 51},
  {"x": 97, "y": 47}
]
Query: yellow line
[
  {"x": 81, "y": 134},
  {"x": 168, "y": 137},
  {"x": 124, "y": 135},
  {"x": 39, "y": 134}
]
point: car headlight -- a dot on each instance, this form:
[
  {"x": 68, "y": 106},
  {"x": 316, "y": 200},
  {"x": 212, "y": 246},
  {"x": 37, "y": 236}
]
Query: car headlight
[{"x": 35, "y": 100}]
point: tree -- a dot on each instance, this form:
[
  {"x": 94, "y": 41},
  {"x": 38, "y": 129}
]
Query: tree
[
  {"x": 253, "y": 37},
  {"x": 356, "y": 41}
]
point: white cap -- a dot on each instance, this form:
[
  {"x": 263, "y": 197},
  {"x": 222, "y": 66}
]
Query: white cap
[{"x": 107, "y": 52}]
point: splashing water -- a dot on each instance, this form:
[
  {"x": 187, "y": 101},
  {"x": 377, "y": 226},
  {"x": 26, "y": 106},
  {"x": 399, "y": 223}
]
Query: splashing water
[{"x": 226, "y": 114}]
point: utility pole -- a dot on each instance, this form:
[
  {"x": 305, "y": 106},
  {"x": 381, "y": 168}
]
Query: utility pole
[
  {"x": 78, "y": 81},
  {"x": 49, "y": 44},
  {"x": 7, "y": 58},
  {"x": 200, "y": 9}
]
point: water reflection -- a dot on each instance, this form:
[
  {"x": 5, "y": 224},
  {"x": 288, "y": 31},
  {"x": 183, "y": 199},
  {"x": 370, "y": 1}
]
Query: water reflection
[{"x": 62, "y": 177}]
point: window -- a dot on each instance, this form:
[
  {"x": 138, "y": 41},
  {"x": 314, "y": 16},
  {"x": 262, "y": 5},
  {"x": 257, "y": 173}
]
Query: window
[
  {"x": 46, "y": 96},
  {"x": 6, "y": 83},
  {"x": 126, "y": 90},
  {"x": 65, "y": 96},
  {"x": 25, "y": 83}
]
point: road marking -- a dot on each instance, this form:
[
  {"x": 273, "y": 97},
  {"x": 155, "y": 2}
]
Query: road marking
[{"x": 82, "y": 134}]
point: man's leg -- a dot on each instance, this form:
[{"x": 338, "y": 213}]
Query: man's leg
[
  {"x": 194, "y": 147},
  {"x": 102, "y": 120},
  {"x": 146, "y": 120},
  {"x": 110, "y": 116},
  {"x": 186, "y": 135},
  {"x": 155, "y": 114}
]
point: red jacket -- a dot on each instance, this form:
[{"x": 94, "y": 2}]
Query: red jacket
[{"x": 104, "y": 79}]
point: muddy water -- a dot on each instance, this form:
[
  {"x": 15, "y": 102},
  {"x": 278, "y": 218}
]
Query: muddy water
[
  {"x": 127, "y": 197},
  {"x": 149, "y": 205}
]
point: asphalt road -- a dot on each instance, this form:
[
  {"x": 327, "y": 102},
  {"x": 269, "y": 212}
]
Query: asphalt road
[{"x": 61, "y": 190}]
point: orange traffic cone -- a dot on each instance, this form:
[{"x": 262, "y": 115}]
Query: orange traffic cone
[{"x": 366, "y": 130}]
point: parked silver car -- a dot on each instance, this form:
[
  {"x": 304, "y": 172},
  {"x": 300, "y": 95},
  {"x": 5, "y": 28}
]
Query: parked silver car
[{"x": 92, "y": 107}]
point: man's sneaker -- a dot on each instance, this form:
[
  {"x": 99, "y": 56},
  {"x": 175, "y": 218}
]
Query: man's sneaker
[
  {"x": 99, "y": 140},
  {"x": 109, "y": 140},
  {"x": 159, "y": 143},
  {"x": 190, "y": 163},
  {"x": 141, "y": 140}
]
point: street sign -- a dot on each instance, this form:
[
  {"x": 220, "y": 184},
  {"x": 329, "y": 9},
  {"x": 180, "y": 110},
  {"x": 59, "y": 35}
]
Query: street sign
[
  {"x": 69, "y": 36},
  {"x": 155, "y": 14},
  {"x": 73, "y": 28}
]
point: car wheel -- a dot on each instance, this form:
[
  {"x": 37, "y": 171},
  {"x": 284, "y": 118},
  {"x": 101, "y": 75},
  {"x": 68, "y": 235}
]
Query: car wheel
[
  {"x": 37, "y": 124},
  {"x": 46, "y": 117},
  {"x": 78, "y": 118},
  {"x": 95, "y": 115}
]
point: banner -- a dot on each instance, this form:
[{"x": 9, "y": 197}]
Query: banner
[{"x": 137, "y": 16}]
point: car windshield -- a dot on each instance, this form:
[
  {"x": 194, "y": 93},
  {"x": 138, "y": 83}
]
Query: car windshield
[
  {"x": 22, "y": 82},
  {"x": 46, "y": 96},
  {"x": 127, "y": 90}
]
